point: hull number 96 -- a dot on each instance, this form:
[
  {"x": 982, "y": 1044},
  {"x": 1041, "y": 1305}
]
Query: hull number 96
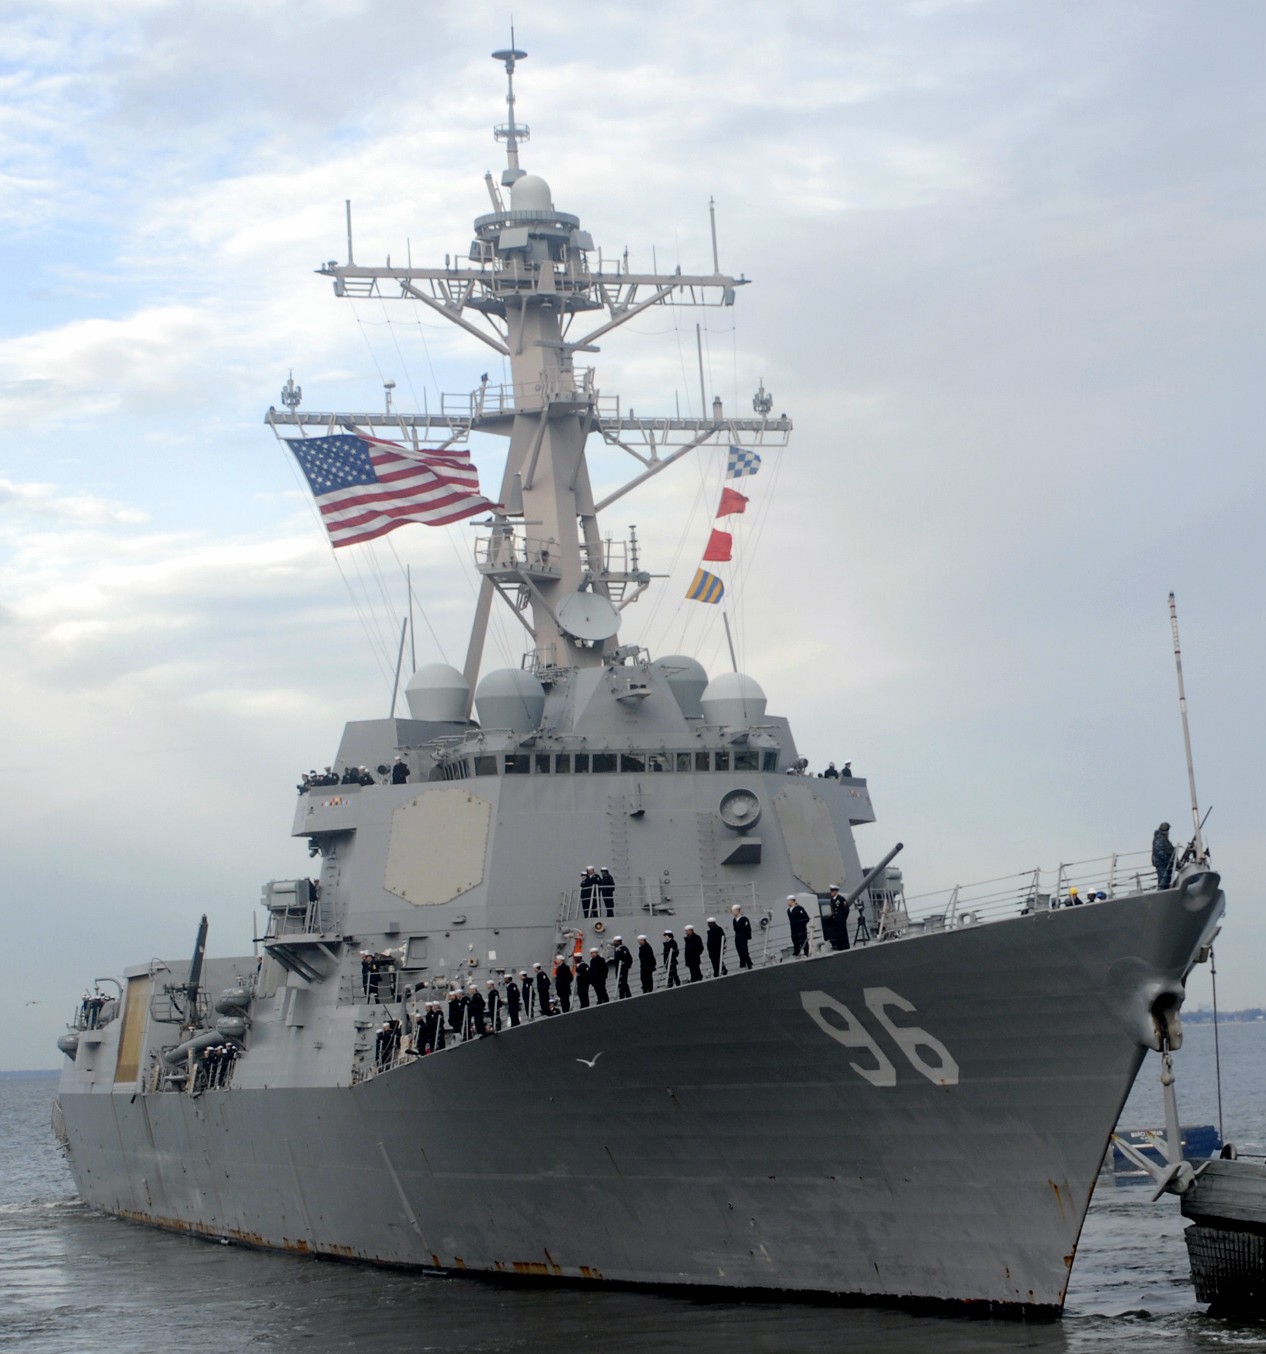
[{"x": 923, "y": 1051}]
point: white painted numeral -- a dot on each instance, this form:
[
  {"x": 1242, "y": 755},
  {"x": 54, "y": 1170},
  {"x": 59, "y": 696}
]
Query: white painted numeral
[
  {"x": 910, "y": 1039},
  {"x": 846, "y": 1029},
  {"x": 834, "y": 1018}
]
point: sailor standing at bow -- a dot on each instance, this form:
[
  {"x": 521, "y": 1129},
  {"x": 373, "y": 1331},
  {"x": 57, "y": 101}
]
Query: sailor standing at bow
[
  {"x": 562, "y": 984},
  {"x": 598, "y": 976},
  {"x": 544, "y": 1005},
  {"x": 623, "y": 958},
  {"x": 692, "y": 953},
  {"x": 1162, "y": 856},
  {"x": 798, "y": 919},
  {"x": 840, "y": 908},
  {"x": 742, "y": 936},
  {"x": 589, "y": 892},
  {"x": 670, "y": 956},
  {"x": 646, "y": 963},
  {"x": 606, "y": 887},
  {"x": 513, "y": 1000},
  {"x": 716, "y": 943}
]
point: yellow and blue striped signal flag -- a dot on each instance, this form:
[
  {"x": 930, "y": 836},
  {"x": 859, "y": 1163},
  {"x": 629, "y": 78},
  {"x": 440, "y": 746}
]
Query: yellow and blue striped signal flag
[{"x": 705, "y": 588}]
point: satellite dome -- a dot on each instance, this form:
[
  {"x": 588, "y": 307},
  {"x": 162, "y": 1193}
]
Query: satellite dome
[
  {"x": 686, "y": 679},
  {"x": 733, "y": 700},
  {"x": 510, "y": 699},
  {"x": 438, "y": 693},
  {"x": 531, "y": 194}
]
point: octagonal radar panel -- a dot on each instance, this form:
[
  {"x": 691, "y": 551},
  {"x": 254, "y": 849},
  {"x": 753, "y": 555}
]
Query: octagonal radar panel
[{"x": 587, "y": 616}]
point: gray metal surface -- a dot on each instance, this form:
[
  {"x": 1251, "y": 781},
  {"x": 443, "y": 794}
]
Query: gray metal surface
[
  {"x": 921, "y": 1118},
  {"x": 721, "y": 1138}
]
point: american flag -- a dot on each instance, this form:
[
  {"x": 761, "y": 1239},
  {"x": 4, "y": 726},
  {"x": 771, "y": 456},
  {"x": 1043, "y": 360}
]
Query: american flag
[{"x": 366, "y": 488}]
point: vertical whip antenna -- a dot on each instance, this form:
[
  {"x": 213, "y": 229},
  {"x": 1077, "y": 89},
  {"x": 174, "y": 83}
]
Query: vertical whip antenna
[
  {"x": 1198, "y": 839},
  {"x": 511, "y": 132}
]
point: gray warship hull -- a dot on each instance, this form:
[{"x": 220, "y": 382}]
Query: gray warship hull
[
  {"x": 717, "y": 1134},
  {"x": 920, "y": 1118}
]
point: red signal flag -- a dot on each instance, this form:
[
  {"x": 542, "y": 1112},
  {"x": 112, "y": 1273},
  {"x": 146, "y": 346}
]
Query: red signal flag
[{"x": 720, "y": 546}]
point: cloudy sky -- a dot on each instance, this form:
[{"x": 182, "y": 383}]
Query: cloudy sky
[{"x": 1008, "y": 281}]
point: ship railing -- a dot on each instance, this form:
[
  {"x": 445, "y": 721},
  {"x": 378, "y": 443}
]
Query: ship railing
[
  {"x": 367, "y": 1065},
  {"x": 502, "y": 401},
  {"x": 282, "y": 924},
  {"x": 372, "y": 989},
  {"x": 193, "y": 1075},
  {"x": 511, "y": 553},
  {"x": 543, "y": 663},
  {"x": 87, "y": 1018},
  {"x": 171, "y": 1005},
  {"x": 294, "y": 908},
  {"x": 1070, "y": 883},
  {"x": 372, "y": 1068},
  {"x": 663, "y": 897}
]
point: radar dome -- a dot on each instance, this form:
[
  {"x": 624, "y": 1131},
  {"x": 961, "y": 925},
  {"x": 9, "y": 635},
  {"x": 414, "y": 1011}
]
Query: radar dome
[
  {"x": 733, "y": 700},
  {"x": 438, "y": 693},
  {"x": 510, "y": 699},
  {"x": 686, "y": 679},
  {"x": 531, "y": 194}
]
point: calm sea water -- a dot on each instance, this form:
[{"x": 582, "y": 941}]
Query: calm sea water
[{"x": 71, "y": 1280}]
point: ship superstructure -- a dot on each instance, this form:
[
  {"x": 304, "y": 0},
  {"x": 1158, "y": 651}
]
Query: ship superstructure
[{"x": 920, "y": 1117}]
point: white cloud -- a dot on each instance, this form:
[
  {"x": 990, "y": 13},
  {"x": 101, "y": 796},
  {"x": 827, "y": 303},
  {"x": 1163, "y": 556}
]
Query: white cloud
[
  {"x": 43, "y": 500},
  {"x": 1008, "y": 285}
]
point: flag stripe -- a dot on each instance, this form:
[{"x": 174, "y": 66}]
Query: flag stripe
[
  {"x": 365, "y": 487},
  {"x": 706, "y": 587}
]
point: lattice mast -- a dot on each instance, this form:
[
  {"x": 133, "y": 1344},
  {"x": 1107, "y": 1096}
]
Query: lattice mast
[{"x": 526, "y": 284}]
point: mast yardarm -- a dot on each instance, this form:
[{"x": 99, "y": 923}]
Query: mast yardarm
[{"x": 524, "y": 282}]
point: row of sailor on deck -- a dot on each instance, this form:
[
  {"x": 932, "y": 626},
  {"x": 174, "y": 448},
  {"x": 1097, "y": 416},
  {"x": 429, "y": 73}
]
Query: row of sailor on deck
[
  {"x": 396, "y": 774},
  {"x": 597, "y": 892},
  {"x": 90, "y": 1009},
  {"x": 215, "y": 1066},
  {"x": 576, "y": 980}
]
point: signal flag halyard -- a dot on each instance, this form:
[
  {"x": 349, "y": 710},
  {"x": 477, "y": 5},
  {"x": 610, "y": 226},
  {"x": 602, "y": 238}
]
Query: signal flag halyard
[
  {"x": 705, "y": 588},
  {"x": 365, "y": 488}
]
